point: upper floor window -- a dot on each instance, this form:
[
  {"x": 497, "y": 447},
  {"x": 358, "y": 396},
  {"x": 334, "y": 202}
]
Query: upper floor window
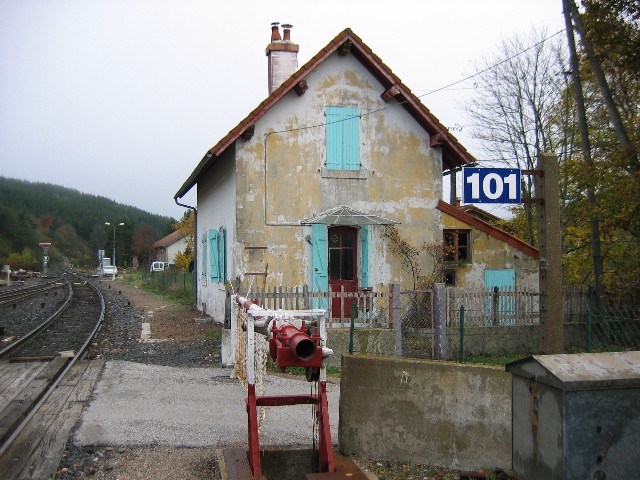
[
  {"x": 343, "y": 138},
  {"x": 457, "y": 245}
]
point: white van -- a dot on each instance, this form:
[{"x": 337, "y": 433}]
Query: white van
[{"x": 157, "y": 267}]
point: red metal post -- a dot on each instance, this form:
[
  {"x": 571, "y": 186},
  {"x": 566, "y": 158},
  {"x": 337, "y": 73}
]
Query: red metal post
[
  {"x": 254, "y": 440},
  {"x": 325, "y": 449}
]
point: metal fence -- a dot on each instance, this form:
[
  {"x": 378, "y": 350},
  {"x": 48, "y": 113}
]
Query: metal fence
[
  {"x": 449, "y": 323},
  {"x": 172, "y": 282},
  {"x": 612, "y": 328},
  {"x": 476, "y": 324}
]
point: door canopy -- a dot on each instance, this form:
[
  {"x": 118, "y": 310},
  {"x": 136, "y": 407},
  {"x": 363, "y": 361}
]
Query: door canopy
[{"x": 348, "y": 217}]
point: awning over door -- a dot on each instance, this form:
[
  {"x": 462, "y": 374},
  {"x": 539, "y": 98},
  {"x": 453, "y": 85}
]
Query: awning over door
[{"x": 347, "y": 216}]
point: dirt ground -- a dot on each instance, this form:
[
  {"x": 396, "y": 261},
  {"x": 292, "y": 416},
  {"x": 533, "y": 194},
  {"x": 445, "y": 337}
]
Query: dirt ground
[{"x": 168, "y": 320}]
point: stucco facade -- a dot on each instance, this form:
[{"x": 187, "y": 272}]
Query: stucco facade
[
  {"x": 490, "y": 249},
  {"x": 260, "y": 185}
]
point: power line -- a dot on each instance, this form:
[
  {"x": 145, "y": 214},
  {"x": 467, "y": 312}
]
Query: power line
[{"x": 448, "y": 86}]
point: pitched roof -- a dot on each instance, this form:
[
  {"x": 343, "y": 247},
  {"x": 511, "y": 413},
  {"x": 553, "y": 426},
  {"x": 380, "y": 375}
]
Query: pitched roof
[
  {"x": 478, "y": 213},
  {"x": 453, "y": 153},
  {"x": 487, "y": 228},
  {"x": 170, "y": 239}
]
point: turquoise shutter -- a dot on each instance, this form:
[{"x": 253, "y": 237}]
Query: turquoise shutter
[
  {"x": 351, "y": 148},
  {"x": 505, "y": 280},
  {"x": 222, "y": 261},
  {"x": 320, "y": 238},
  {"x": 204, "y": 255},
  {"x": 343, "y": 138},
  {"x": 364, "y": 249},
  {"x": 214, "y": 263},
  {"x": 334, "y": 138}
]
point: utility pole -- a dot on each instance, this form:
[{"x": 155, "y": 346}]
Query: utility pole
[{"x": 550, "y": 263}]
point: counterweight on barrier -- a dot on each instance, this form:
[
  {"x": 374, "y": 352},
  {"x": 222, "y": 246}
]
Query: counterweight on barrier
[{"x": 296, "y": 339}]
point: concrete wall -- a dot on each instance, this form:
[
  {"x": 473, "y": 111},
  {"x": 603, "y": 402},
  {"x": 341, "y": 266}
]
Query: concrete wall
[
  {"x": 372, "y": 341},
  {"x": 438, "y": 413}
]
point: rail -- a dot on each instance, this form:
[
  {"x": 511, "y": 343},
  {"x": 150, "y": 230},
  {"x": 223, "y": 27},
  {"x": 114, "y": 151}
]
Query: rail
[{"x": 31, "y": 410}]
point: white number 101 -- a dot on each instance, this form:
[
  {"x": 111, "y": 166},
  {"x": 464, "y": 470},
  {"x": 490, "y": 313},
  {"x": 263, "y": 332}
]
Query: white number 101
[{"x": 493, "y": 185}]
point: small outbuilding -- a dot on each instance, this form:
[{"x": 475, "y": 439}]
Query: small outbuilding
[{"x": 576, "y": 416}]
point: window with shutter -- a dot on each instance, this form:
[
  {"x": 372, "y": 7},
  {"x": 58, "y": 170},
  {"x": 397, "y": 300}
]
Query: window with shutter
[{"x": 343, "y": 138}]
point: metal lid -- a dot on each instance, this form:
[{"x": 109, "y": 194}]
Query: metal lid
[{"x": 581, "y": 371}]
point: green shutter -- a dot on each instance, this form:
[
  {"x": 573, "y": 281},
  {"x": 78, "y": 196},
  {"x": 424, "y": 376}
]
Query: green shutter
[
  {"x": 222, "y": 262},
  {"x": 364, "y": 249},
  {"x": 204, "y": 255},
  {"x": 343, "y": 138},
  {"x": 214, "y": 263},
  {"x": 320, "y": 277},
  {"x": 505, "y": 281},
  {"x": 351, "y": 147}
]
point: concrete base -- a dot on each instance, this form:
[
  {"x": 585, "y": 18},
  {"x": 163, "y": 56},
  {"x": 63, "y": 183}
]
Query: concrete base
[{"x": 285, "y": 464}]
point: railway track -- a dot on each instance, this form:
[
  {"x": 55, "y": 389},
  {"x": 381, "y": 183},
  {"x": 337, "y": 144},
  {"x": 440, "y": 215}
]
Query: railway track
[
  {"x": 13, "y": 295},
  {"x": 25, "y": 310},
  {"x": 33, "y": 365}
]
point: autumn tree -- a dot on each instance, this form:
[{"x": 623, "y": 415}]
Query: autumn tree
[
  {"x": 142, "y": 244},
  {"x": 186, "y": 226},
  {"x": 609, "y": 33},
  {"x": 514, "y": 111}
]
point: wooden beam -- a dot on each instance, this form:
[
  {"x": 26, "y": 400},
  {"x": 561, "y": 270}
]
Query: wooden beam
[
  {"x": 390, "y": 93},
  {"x": 345, "y": 48},
  {"x": 248, "y": 133},
  {"x": 301, "y": 87},
  {"x": 437, "y": 140}
]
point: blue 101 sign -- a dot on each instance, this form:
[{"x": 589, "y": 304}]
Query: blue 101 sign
[{"x": 491, "y": 185}]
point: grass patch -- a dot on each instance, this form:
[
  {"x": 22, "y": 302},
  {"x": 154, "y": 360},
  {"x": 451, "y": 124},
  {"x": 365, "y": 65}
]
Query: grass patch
[
  {"x": 169, "y": 290},
  {"x": 213, "y": 335}
]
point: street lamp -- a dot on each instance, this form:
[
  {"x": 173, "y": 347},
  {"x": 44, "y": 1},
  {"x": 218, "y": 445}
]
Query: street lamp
[{"x": 113, "y": 271}]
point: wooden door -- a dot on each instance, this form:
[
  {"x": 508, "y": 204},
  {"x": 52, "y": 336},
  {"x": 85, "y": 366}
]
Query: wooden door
[{"x": 343, "y": 267}]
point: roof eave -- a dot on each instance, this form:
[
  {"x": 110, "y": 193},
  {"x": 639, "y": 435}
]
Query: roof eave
[
  {"x": 454, "y": 154},
  {"x": 489, "y": 229}
]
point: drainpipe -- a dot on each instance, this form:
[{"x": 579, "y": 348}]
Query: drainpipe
[{"x": 195, "y": 250}]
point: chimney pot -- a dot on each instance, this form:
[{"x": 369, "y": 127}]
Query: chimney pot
[
  {"x": 282, "y": 55},
  {"x": 287, "y": 32},
  {"x": 275, "y": 31}
]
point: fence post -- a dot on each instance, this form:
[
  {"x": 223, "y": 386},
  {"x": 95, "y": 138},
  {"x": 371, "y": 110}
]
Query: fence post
[
  {"x": 353, "y": 321},
  {"x": 394, "y": 315},
  {"x": 461, "y": 345},
  {"x": 441, "y": 347},
  {"x": 588, "y": 330},
  {"x": 495, "y": 305}
]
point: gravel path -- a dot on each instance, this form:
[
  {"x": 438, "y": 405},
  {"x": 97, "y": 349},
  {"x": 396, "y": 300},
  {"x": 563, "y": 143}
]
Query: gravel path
[
  {"x": 183, "y": 338},
  {"x": 180, "y": 337}
]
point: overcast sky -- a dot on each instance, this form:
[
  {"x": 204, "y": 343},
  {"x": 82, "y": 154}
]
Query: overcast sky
[{"x": 122, "y": 98}]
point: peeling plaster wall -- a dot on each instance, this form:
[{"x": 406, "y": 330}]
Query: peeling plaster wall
[
  {"x": 400, "y": 178},
  {"x": 216, "y": 208},
  {"x": 488, "y": 252}
]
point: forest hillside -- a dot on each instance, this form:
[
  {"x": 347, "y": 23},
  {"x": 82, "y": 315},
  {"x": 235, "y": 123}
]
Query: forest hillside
[{"x": 74, "y": 223}]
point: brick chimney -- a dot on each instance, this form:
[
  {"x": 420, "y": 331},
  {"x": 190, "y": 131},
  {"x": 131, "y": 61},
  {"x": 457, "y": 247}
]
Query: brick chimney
[{"x": 282, "y": 54}]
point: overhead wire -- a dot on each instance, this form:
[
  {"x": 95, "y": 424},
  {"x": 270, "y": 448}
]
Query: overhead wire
[{"x": 430, "y": 92}]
